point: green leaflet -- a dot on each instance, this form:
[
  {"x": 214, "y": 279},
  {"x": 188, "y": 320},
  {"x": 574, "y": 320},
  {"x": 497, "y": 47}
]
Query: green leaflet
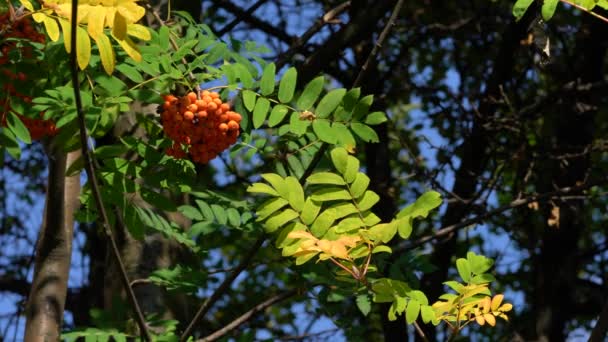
[
  {"x": 520, "y": 7},
  {"x": 329, "y": 102},
  {"x": 287, "y": 86},
  {"x": 548, "y": 9},
  {"x": 311, "y": 93},
  {"x": 260, "y": 111},
  {"x": 267, "y": 80}
]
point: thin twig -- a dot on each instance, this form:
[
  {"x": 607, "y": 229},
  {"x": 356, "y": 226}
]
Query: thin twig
[
  {"x": 301, "y": 40},
  {"x": 514, "y": 204},
  {"x": 90, "y": 170},
  {"x": 604, "y": 19},
  {"x": 359, "y": 78},
  {"x": 248, "y": 315},
  {"x": 420, "y": 332},
  {"x": 224, "y": 287},
  {"x": 239, "y": 18},
  {"x": 379, "y": 42}
]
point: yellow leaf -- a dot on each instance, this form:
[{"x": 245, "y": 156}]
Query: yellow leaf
[
  {"x": 52, "y": 29},
  {"x": 67, "y": 34},
  {"x": 119, "y": 30},
  {"x": 83, "y": 48},
  {"x": 485, "y": 304},
  {"x": 27, "y": 4},
  {"x": 506, "y": 307},
  {"x": 96, "y": 21},
  {"x": 38, "y": 17},
  {"x": 130, "y": 48},
  {"x": 130, "y": 11},
  {"x": 490, "y": 319},
  {"x": 496, "y": 301},
  {"x": 301, "y": 234},
  {"x": 139, "y": 32},
  {"x": 480, "y": 320},
  {"x": 106, "y": 52}
]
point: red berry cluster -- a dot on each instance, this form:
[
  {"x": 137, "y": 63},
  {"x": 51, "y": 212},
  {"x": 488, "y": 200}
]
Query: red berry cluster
[
  {"x": 21, "y": 28},
  {"x": 201, "y": 126}
]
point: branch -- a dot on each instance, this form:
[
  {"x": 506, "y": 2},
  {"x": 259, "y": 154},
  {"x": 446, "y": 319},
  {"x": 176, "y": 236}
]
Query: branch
[
  {"x": 301, "y": 40},
  {"x": 224, "y": 287},
  {"x": 238, "y": 19},
  {"x": 248, "y": 315},
  {"x": 256, "y": 22},
  {"x": 91, "y": 175},
  {"x": 383, "y": 35},
  {"x": 514, "y": 204},
  {"x": 357, "y": 81}
]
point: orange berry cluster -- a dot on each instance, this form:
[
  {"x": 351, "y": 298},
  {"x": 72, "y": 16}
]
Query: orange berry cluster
[
  {"x": 201, "y": 126},
  {"x": 24, "y": 29}
]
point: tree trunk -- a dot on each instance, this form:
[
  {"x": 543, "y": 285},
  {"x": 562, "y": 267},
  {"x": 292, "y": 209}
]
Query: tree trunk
[
  {"x": 46, "y": 302},
  {"x": 570, "y": 130}
]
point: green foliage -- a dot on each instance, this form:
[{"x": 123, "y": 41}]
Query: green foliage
[
  {"x": 328, "y": 216},
  {"x": 549, "y": 6}
]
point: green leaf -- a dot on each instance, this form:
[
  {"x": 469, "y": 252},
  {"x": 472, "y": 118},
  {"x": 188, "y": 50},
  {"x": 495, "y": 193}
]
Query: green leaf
[
  {"x": 244, "y": 75},
  {"x": 375, "y": 118},
  {"x": 548, "y": 9},
  {"x": 365, "y": 132},
  {"x": 479, "y": 263},
  {"x": 343, "y": 135},
  {"x": 277, "y": 221},
  {"x": 270, "y": 206},
  {"x": 296, "y": 193},
  {"x": 520, "y": 8},
  {"x": 130, "y": 72},
  {"x": 190, "y": 212},
  {"x": 322, "y": 223},
  {"x": 260, "y": 111},
  {"x": 219, "y": 213},
  {"x": 18, "y": 128},
  {"x": 325, "y": 178},
  {"x": 311, "y": 93},
  {"x": 278, "y": 183},
  {"x": 404, "y": 227},
  {"x": 287, "y": 86},
  {"x": 482, "y": 279},
  {"x": 352, "y": 168},
  {"x": 427, "y": 313},
  {"x": 412, "y": 311},
  {"x": 277, "y": 115},
  {"x": 249, "y": 98},
  {"x": 351, "y": 98},
  {"x": 267, "y": 81},
  {"x": 464, "y": 269},
  {"x": 383, "y": 232},
  {"x": 359, "y": 185},
  {"x": 339, "y": 157},
  {"x": 423, "y": 205},
  {"x": 329, "y": 102},
  {"x": 364, "y": 304},
  {"x": 310, "y": 210},
  {"x": 234, "y": 218},
  {"x": 368, "y": 200},
  {"x": 205, "y": 209},
  {"x": 323, "y": 130},
  {"x": 362, "y": 107},
  {"x": 330, "y": 193},
  {"x": 298, "y": 126},
  {"x": 262, "y": 188}
]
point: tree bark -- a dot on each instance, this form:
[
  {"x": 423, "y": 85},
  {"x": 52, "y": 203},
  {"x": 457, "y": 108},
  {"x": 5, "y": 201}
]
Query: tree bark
[
  {"x": 44, "y": 311},
  {"x": 570, "y": 130}
]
